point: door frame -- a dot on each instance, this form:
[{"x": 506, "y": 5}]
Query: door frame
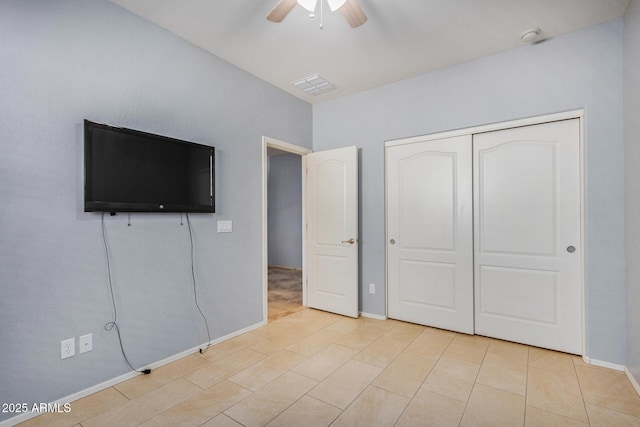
[
  {"x": 566, "y": 115},
  {"x": 268, "y": 142}
]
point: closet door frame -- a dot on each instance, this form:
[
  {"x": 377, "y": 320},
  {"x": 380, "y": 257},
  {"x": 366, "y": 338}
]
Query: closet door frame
[{"x": 574, "y": 114}]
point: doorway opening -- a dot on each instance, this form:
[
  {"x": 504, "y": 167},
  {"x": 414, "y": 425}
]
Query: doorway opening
[
  {"x": 283, "y": 228},
  {"x": 284, "y": 292}
]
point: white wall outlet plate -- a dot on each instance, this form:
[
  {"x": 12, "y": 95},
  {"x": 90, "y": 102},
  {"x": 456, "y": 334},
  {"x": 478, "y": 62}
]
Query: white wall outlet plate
[
  {"x": 225, "y": 226},
  {"x": 85, "y": 342},
  {"x": 67, "y": 348},
  {"x": 372, "y": 288}
]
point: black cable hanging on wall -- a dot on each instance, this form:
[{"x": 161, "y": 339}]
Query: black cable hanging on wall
[
  {"x": 195, "y": 293},
  {"x": 114, "y": 323}
]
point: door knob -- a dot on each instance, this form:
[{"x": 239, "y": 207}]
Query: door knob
[
  {"x": 351, "y": 241},
  {"x": 571, "y": 249},
  {"x": 392, "y": 241}
]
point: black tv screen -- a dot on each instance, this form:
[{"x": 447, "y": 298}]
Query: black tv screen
[{"x": 127, "y": 170}]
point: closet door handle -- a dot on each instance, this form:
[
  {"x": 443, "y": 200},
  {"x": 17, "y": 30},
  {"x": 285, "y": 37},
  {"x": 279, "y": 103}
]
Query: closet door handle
[
  {"x": 392, "y": 241},
  {"x": 571, "y": 249},
  {"x": 351, "y": 241}
]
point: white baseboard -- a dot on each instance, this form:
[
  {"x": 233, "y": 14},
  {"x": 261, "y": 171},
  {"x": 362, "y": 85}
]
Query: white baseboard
[
  {"x": 617, "y": 367},
  {"x": 634, "y": 383},
  {"x": 373, "y": 316},
  {"x": 117, "y": 380},
  {"x": 602, "y": 364}
]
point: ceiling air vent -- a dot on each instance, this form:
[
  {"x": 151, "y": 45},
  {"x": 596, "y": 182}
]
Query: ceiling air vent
[{"x": 314, "y": 85}]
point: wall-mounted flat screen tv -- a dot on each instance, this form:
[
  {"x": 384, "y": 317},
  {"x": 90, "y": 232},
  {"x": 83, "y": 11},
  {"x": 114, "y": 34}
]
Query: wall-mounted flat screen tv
[{"x": 127, "y": 170}]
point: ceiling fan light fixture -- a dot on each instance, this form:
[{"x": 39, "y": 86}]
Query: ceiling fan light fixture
[
  {"x": 310, "y": 5},
  {"x": 348, "y": 8},
  {"x": 336, "y": 4}
]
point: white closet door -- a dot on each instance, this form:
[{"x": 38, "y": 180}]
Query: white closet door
[
  {"x": 527, "y": 235},
  {"x": 429, "y": 233}
]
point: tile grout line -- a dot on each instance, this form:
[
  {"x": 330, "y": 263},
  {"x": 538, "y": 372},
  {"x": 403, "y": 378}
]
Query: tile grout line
[
  {"x": 415, "y": 393},
  {"x": 370, "y": 384},
  {"x": 475, "y": 381},
  {"x": 288, "y": 370},
  {"x": 430, "y": 371},
  {"x": 318, "y": 382},
  {"x": 584, "y": 403},
  {"x": 119, "y": 392},
  {"x": 376, "y": 377},
  {"x": 526, "y": 387},
  {"x": 342, "y": 411}
]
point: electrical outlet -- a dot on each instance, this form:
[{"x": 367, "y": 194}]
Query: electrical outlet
[
  {"x": 67, "y": 348},
  {"x": 372, "y": 288},
  {"x": 85, "y": 342}
]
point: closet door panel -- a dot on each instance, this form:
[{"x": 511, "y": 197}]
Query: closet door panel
[
  {"x": 518, "y": 214},
  {"x": 429, "y": 233},
  {"x": 527, "y": 235}
]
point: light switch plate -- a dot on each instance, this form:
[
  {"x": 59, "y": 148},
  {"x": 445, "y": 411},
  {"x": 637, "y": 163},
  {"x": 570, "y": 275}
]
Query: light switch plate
[{"x": 225, "y": 226}]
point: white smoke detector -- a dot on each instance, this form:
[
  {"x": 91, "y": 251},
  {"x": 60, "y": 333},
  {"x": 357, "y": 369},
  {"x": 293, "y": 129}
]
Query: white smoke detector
[{"x": 531, "y": 36}]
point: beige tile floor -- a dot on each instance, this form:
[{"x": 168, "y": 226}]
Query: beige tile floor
[{"x": 313, "y": 368}]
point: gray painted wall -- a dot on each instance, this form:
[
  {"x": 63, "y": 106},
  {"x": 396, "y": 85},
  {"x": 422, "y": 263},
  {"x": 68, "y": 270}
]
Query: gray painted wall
[
  {"x": 285, "y": 210},
  {"x": 65, "y": 60},
  {"x": 582, "y": 69},
  {"x": 632, "y": 181}
]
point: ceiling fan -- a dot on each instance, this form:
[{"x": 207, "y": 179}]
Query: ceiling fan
[{"x": 349, "y": 9}]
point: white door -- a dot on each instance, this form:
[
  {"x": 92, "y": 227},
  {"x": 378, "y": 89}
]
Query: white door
[
  {"x": 332, "y": 230},
  {"x": 527, "y": 235},
  {"x": 430, "y": 234}
]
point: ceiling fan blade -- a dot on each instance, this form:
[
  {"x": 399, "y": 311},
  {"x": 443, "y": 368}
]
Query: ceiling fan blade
[
  {"x": 353, "y": 14},
  {"x": 281, "y": 10}
]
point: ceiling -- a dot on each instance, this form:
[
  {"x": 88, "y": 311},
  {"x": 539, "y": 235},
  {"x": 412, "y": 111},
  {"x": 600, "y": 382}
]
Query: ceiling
[{"x": 402, "y": 38}]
